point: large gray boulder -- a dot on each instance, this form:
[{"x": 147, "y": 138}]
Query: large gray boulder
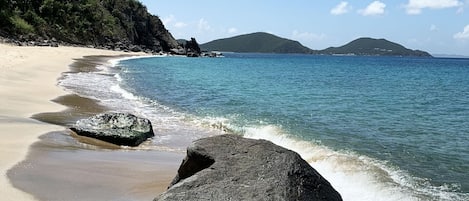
[
  {"x": 117, "y": 128},
  {"x": 230, "y": 167}
]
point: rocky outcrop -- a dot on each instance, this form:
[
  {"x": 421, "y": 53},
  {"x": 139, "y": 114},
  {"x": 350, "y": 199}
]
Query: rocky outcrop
[
  {"x": 117, "y": 128},
  {"x": 100, "y": 24},
  {"x": 229, "y": 167}
]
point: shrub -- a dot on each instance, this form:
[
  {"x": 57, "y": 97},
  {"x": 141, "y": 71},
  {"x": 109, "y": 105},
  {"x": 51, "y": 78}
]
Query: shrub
[
  {"x": 39, "y": 24},
  {"x": 20, "y": 25}
]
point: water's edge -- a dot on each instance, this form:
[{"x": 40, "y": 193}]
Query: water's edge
[{"x": 60, "y": 167}]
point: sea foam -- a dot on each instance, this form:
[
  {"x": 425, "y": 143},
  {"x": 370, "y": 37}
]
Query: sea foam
[
  {"x": 126, "y": 94},
  {"x": 354, "y": 176}
]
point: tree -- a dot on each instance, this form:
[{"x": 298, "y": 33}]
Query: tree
[{"x": 86, "y": 22}]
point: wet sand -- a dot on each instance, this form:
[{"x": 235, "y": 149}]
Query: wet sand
[
  {"x": 58, "y": 166},
  {"x": 70, "y": 167}
]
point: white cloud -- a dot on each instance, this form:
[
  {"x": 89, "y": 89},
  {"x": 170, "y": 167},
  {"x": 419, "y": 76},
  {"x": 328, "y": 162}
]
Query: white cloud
[
  {"x": 464, "y": 34},
  {"x": 306, "y": 36},
  {"x": 180, "y": 25},
  {"x": 433, "y": 28},
  {"x": 414, "y": 7},
  {"x": 171, "y": 21},
  {"x": 232, "y": 30},
  {"x": 203, "y": 25},
  {"x": 341, "y": 8},
  {"x": 375, "y": 8}
]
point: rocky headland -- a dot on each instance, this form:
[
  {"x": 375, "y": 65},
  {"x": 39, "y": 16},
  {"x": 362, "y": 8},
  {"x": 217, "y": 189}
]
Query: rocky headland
[{"x": 120, "y": 25}]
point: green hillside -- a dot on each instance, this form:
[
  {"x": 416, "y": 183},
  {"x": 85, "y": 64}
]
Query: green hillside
[
  {"x": 267, "y": 43},
  {"x": 104, "y": 23},
  {"x": 370, "y": 46},
  {"x": 256, "y": 42}
]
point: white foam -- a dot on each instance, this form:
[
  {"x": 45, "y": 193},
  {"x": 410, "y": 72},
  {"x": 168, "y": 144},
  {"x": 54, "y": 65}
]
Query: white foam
[
  {"x": 355, "y": 177},
  {"x": 101, "y": 67},
  {"x": 123, "y": 92},
  {"x": 115, "y": 62},
  {"x": 218, "y": 123},
  {"x": 118, "y": 77}
]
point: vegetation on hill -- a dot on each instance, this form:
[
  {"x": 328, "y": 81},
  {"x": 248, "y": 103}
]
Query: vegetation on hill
[
  {"x": 256, "y": 42},
  {"x": 370, "y": 46},
  {"x": 121, "y": 23},
  {"x": 268, "y": 43},
  {"x": 85, "y": 22}
]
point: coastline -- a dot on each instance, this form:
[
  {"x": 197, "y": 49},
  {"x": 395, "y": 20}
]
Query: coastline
[{"x": 28, "y": 83}]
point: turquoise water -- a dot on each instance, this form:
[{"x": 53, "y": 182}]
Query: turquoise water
[{"x": 378, "y": 128}]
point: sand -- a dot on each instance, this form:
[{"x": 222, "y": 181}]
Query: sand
[{"x": 28, "y": 83}]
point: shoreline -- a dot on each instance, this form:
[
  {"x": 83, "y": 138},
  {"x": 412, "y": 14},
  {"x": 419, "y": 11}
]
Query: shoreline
[{"x": 28, "y": 83}]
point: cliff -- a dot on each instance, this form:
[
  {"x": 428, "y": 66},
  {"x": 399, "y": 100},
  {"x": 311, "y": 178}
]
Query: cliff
[{"x": 112, "y": 24}]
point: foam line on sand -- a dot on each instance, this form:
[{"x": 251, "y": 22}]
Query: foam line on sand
[{"x": 28, "y": 81}]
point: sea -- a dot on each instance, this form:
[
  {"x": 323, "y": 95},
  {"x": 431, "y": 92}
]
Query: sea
[{"x": 377, "y": 128}]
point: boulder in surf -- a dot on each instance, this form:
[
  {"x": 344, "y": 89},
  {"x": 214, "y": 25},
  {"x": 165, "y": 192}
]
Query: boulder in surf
[{"x": 116, "y": 128}]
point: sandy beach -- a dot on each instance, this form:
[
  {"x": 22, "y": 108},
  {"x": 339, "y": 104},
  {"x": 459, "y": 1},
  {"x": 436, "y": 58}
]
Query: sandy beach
[{"x": 28, "y": 83}]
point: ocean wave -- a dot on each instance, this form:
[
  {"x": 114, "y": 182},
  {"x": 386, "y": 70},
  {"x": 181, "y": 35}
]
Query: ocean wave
[
  {"x": 173, "y": 134},
  {"x": 117, "y": 61},
  {"x": 355, "y": 176},
  {"x": 124, "y": 93},
  {"x": 118, "y": 77}
]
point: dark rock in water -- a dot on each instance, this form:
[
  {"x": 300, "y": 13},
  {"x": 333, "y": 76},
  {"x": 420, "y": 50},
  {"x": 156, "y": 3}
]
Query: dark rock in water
[
  {"x": 229, "y": 167},
  {"x": 117, "y": 128}
]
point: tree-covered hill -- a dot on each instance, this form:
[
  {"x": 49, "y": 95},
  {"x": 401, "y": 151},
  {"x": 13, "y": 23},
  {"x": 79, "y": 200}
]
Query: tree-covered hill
[
  {"x": 371, "y": 46},
  {"x": 256, "y": 42},
  {"x": 85, "y": 22},
  {"x": 267, "y": 43}
]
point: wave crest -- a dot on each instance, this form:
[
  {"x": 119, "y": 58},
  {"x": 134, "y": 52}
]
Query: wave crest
[{"x": 355, "y": 176}]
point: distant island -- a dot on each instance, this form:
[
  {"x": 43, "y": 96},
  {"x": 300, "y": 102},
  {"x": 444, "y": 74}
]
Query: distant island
[
  {"x": 373, "y": 47},
  {"x": 256, "y": 42},
  {"x": 261, "y": 42}
]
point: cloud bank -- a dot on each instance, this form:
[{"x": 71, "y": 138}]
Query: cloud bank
[
  {"x": 341, "y": 8},
  {"x": 464, "y": 34},
  {"x": 414, "y": 7},
  {"x": 375, "y": 8}
]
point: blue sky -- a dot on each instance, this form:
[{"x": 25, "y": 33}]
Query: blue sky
[{"x": 436, "y": 26}]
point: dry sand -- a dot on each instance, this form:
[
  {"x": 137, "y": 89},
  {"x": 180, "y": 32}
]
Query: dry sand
[{"x": 28, "y": 81}]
